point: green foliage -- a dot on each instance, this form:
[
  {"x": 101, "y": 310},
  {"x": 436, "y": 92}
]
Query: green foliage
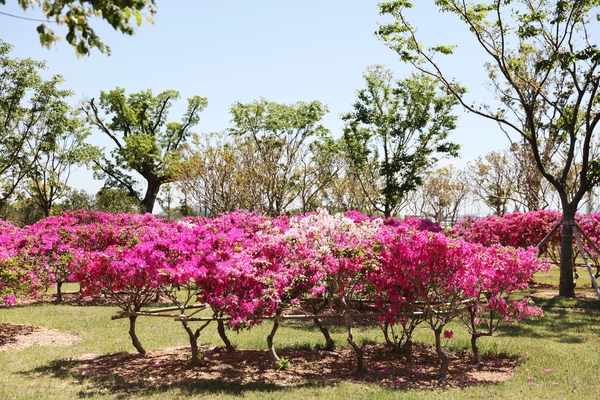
[
  {"x": 74, "y": 200},
  {"x": 277, "y": 140},
  {"x": 402, "y": 127},
  {"x": 47, "y": 181},
  {"x": 40, "y": 135},
  {"x": 75, "y": 14},
  {"x": 283, "y": 364},
  {"x": 23, "y": 211},
  {"x": 144, "y": 141},
  {"x": 117, "y": 201}
]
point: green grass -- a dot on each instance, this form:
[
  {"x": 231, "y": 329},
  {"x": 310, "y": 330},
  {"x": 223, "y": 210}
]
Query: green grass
[{"x": 565, "y": 342}]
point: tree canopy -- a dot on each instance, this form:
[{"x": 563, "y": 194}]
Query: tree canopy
[
  {"x": 144, "y": 141},
  {"x": 400, "y": 126},
  {"x": 278, "y": 138},
  {"x": 35, "y": 120},
  {"x": 122, "y": 15}
]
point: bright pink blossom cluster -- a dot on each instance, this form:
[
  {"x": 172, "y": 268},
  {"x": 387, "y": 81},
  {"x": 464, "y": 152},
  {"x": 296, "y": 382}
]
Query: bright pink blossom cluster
[
  {"x": 247, "y": 266},
  {"x": 515, "y": 230},
  {"x": 529, "y": 229}
]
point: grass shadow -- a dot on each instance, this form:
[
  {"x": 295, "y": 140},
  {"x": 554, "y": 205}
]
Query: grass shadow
[
  {"x": 121, "y": 385},
  {"x": 560, "y": 325}
]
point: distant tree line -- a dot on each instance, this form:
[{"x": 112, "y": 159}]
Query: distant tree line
[{"x": 276, "y": 158}]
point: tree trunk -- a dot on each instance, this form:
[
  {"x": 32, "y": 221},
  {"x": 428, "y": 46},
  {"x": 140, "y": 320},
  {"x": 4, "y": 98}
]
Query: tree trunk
[
  {"x": 270, "y": 338},
  {"x": 329, "y": 343},
  {"x": 475, "y": 349},
  {"x": 443, "y": 356},
  {"x": 357, "y": 349},
  {"x": 195, "y": 361},
  {"x": 408, "y": 353},
  {"x": 152, "y": 191},
  {"x": 224, "y": 338},
  {"x": 59, "y": 297},
  {"x": 134, "y": 339},
  {"x": 566, "y": 285}
]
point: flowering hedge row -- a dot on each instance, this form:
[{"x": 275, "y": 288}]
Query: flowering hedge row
[
  {"x": 529, "y": 229},
  {"x": 247, "y": 267}
]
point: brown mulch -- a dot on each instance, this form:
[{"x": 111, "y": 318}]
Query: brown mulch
[{"x": 171, "y": 367}]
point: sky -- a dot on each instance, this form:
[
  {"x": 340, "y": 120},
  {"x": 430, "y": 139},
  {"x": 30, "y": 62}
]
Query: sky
[{"x": 284, "y": 51}]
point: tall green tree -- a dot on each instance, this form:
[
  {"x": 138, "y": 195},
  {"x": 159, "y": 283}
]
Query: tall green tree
[
  {"x": 32, "y": 118},
  {"x": 145, "y": 143},
  {"x": 47, "y": 180},
  {"x": 279, "y": 136},
  {"x": 542, "y": 63},
  {"x": 401, "y": 126},
  {"x": 116, "y": 201},
  {"x": 76, "y": 15}
]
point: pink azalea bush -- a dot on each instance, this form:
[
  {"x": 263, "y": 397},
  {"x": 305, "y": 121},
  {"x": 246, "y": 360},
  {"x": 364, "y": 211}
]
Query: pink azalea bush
[{"x": 247, "y": 267}]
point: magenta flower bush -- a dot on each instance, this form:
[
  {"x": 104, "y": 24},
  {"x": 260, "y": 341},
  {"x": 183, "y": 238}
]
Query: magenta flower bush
[{"x": 246, "y": 268}]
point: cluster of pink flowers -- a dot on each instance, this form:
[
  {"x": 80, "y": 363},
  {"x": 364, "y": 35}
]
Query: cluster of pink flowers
[
  {"x": 515, "y": 230},
  {"x": 246, "y": 266},
  {"x": 529, "y": 229}
]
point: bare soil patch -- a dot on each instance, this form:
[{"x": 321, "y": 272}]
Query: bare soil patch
[{"x": 17, "y": 337}]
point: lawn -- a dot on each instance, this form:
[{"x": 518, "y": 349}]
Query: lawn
[{"x": 555, "y": 357}]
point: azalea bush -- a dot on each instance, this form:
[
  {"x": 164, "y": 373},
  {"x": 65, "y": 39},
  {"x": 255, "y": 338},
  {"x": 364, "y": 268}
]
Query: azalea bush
[
  {"x": 21, "y": 271},
  {"x": 529, "y": 229},
  {"x": 246, "y": 268}
]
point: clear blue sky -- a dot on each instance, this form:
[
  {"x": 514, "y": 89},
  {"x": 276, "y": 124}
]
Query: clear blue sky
[{"x": 227, "y": 51}]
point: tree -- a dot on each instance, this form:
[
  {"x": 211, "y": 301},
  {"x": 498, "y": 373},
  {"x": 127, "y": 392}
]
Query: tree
[
  {"x": 32, "y": 117},
  {"x": 74, "y": 200},
  {"x": 542, "y": 65},
  {"x": 402, "y": 126},
  {"x": 147, "y": 144},
  {"x": 346, "y": 193},
  {"x": 319, "y": 168},
  {"x": 532, "y": 191},
  {"x": 442, "y": 195},
  {"x": 117, "y": 201},
  {"x": 493, "y": 180},
  {"x": 211, "y": 174},
  {"x": 278, "y": 135},
  {"x": 47, "y": 179},
  {"x": 118, "y": 13}
]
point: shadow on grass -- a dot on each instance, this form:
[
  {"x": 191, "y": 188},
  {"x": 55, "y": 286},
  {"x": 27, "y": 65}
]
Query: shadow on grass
[
  {"x": 561, "y": 302},
  {"x": 560, "y": 325},
  {"x": 168, "y": 373},
  {"x": 123, "y": 387}
]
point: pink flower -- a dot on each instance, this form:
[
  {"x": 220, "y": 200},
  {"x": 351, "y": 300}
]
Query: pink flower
[
  {"x": 529, "y": 378},
  {"x": 548, "y": 370},
  {"x": 448, "y": 334},
  {"x": 10, "y": 299}
]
